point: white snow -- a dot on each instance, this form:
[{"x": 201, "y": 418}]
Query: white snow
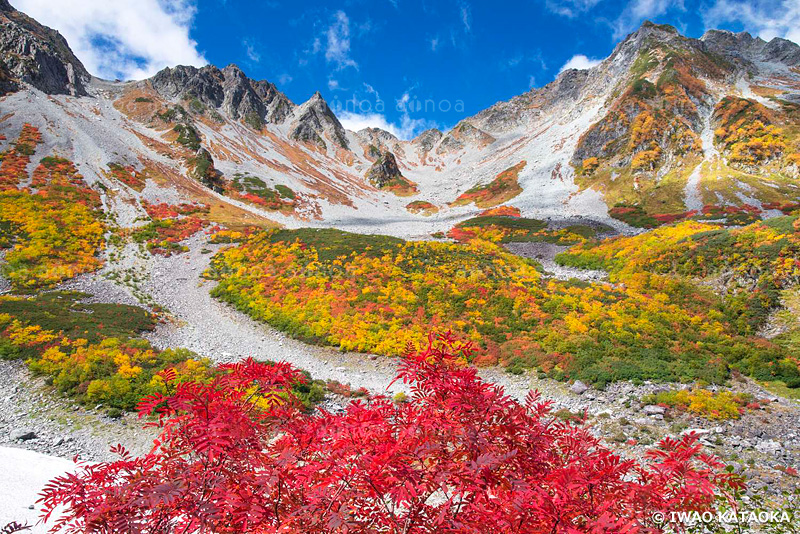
[{"x": 25, "y": 473}]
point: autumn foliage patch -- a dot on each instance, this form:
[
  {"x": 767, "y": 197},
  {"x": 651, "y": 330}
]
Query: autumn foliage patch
[
  {"x": 513, "y": 228},
  {"x": 52, "y": 227},
  {"x": 422, "y": 206},
  {"x": 705, "y": 403},
  {"x": 758, "y": 260},
  {"x": 377, "y": 294},
  {"x": 502, "y": 188},
  {"x": 128, "y": 175},
  {"x": 747, "y": 132},
  {"x": 170, "y": 224},
  {"x": 459, "y": 456}
]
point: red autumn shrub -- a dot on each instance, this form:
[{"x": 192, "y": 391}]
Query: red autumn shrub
[{"x": 237, "y": 455}]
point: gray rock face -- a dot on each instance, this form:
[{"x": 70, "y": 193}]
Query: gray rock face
[
  {"x": 744, "y": 48},
  {"x": 384, "y": 170},
  {"x": 204, "y": 83},
  {"x": 315, "y": 121},
  {"x": 37, "y": 55},
  {"x": 463, "y": 135},
  {"x": 579, "y": 388},
  {"x": 427, "y": 139},
  {"x": 377, "y": 136},
  {"x": 377, "y": 139},
  {"x": 8, "y": 83},
  {"x": 227, "y": 90}
]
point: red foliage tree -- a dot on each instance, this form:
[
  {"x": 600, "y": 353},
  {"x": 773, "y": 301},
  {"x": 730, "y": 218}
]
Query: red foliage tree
[{"x": 459, "y": 456}]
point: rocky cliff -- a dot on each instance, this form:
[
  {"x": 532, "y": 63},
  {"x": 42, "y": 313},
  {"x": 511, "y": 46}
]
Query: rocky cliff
[
  {"x": 227, "y": 90},
  {"x": 37, "y": 55},
  {"x": 384, "y": 170},
  {"x": 314, "y": 121}
]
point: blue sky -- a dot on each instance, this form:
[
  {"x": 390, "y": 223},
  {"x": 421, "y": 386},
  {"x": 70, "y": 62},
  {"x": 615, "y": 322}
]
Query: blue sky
[{"x": 404, "y": 65}]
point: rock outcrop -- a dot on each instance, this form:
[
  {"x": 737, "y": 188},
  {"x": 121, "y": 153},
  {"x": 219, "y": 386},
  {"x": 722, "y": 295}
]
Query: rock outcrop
[
  {"x": 377, "y": 139},
  {"x": 8, "y": 83},
  {"x": 384, "y": 171},
  {"x": 227, "y": 90},
  {"x": 748, "y": 49},
  {"x": 462, "y": 136},
  {"x": 315, "y": 121},
  {"x": 37, "y": 55},
  {"x": 427, "y": 140}
]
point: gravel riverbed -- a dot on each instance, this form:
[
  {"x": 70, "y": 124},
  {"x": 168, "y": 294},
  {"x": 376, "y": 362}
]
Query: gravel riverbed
[{"x": 545, "y": 254}]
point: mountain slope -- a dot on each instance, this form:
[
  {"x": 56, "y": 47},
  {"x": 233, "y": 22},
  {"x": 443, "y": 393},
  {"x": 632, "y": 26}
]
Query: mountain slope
[{"x": 645, "y": 137}]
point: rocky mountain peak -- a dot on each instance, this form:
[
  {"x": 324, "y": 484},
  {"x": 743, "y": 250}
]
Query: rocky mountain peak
[
  {"x": 426, "y": 141},
  {"x": 233, "y": 69},
  {"x": 646, "y": 37},
  {"x": 315, "y": 121},
  {"x": 744, "y": 47},
  {"x": 228, "y": 90},
  {"x": 377, "y": 139},
  {"x": 35, "y": 54},
  {"x": 378, "y": 133},
  {"x": 649, "y": 29}
]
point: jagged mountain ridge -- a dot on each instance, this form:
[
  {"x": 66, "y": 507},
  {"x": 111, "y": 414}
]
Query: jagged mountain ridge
[
  {"x": 227, "y": 89},
  {"x": 248, "y": 127}
]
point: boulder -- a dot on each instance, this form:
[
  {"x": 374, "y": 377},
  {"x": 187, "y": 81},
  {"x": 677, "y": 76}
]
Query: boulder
[
  {"x": 23, "y": 434},
  {"x": 769, "y": 447},
  {"x": 652, "y": 409},
  {"x": 578, "y": 388}
]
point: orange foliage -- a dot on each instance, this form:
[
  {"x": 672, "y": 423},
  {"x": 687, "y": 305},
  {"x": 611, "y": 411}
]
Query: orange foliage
[
  {"x": 501, "y": 211},
  {"x": 747, "y": 131},
  {"x": 56, "y": 234},
  {"x": 170, "y": 225},
  {"x": 127, "y": 175},
  {"x": 504, "y": 187},
  {"x": 13, "y": 168}
]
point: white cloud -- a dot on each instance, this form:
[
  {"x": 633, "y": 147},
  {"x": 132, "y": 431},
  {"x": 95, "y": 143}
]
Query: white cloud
[
  {"x": 333, "y": 84},
  {"x": 405, "y": 128},
  {"x": 371, "y": 91},
  {"x": 531, "y": 82},
  {"x": 570, "y": 8},
  {"x": 466, "y": 17},
  {"x": 250, "y": 50},
  {"x": 764, "y": 18},
  {"x": 434, "y": 43},
  {"x": 359, "y": 121},
  {"x": 285, "y": 78},
  {"x": 408, "y": 128},
  {"x": 127, "y": 39},
  {"x": 580, "y": 62},
  {"x": 637, "y": 11},
  {"x": 337, "y": 47}
]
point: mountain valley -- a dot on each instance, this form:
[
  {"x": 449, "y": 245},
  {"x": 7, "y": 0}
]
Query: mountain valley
[{"x": 625, "y": 240}]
